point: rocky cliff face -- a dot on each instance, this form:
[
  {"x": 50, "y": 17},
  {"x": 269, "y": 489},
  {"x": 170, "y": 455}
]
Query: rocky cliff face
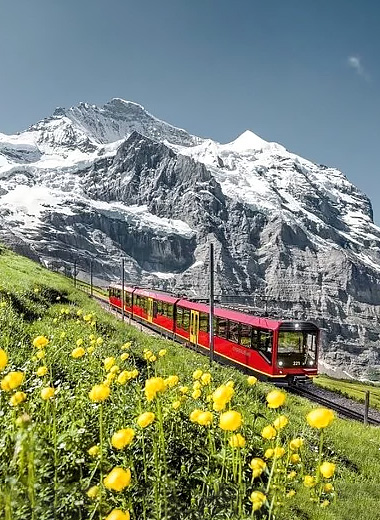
[{"x": 291, "y": 236}]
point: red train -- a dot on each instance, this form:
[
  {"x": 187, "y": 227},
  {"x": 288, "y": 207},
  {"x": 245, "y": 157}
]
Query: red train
[{"x": 278, "y": 351}]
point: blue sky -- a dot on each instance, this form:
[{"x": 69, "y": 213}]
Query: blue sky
[{"x": 302, "y": 73}]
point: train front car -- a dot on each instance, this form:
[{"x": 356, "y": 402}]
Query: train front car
[{"x": 295, "y": 352}]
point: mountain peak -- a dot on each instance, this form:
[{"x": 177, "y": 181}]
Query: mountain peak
[{"x": 247, "y": 141}]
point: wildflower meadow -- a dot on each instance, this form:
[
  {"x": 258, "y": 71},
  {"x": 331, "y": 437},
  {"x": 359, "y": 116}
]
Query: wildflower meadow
[{"x": 102, "y": 422}]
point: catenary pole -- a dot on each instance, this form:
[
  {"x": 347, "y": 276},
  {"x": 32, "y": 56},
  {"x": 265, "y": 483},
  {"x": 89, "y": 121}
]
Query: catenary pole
[
  {"x": 211, "y": 315},
  {"x": 91, "y": 280},
  {"x": 75, "y": 273},
  {"x": 122, "y": 289}
]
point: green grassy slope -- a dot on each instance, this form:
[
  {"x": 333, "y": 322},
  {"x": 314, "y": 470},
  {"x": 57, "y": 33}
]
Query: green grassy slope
[
  {"x": 34, "y": 304},
  {"x": 353, "y": 389}
]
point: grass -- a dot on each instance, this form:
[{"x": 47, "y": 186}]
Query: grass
[
  {"x": 353, "y": 389},
  {"x": 45, "y": 470}
]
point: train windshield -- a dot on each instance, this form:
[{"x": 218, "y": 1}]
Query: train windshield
[{"x": 297, "y": 348}]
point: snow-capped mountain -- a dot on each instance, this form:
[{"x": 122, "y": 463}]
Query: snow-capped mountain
[{"x": 107, "y": 182}]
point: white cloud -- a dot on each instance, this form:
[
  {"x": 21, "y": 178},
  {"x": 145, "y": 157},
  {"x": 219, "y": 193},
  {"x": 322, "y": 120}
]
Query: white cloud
[{"x": 355, "y": 63}]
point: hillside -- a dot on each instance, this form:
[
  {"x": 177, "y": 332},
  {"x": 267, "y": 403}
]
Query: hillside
[{"x": 179, "y": 468}]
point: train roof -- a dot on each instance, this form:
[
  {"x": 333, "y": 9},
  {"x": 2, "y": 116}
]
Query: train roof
[
  {"x": 227, "y": 314},
  {"x": 221, "y": 312}
]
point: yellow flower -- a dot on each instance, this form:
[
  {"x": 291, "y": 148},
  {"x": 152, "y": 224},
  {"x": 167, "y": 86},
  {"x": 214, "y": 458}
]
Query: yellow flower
[
  {"x": 78, "y": 352},
  {"x": 328, "y": 487},
  {"x": 145, "y": 419},
  {"x": 123, "y": 377},
  {"x": 251, "y": 380},
  {"x": 280, "y": 422},
  {"x": 206, "y": 378},
  {"x": 197, "y": 385},
  {"x": 63, "y": 335},
  {"x": 93, "y": 492},
  {"x": 118, "y": 514},
  {"x": 87, "y": 317},
  {"x": 117, "y": 479},
  {"x": 134, "y": 373},
  {"x": 126, "y": 346},
  {"x": 268, "y": 432},
  {"x": 152, "y": 358},
  {"x": 291, "y": 475},
  {"x": 184, "y": 389},
  {"x": 327, "y": 469},
  {"x": 205, "y": 418},
  {"x": 124, "y": 356},
  {"x": 230, "y": 420},
  {"x": 93, "y": 451},
  {"x": 276, "y": 398},
  {"x": 268, "y": 453},
  {"x": 93, "y": 343},
  {"x": 197, "y": 374},
  {"x": 115, "y": 369},
  {"x": 237, "y": 441},
  {"x": 162, "y": 352},
  {"x": 171, "y": 381},
  {"x": 278, "y": 452},
  {"x": 41, "y": 354},
  {"x": 257, "y": 466},
  {"x": 258, "y": 499},
  {"x": 295, "y": 444},
  {"x": 3, "y": 359},
  {"x": 99, "y": 341},
  {"x": 295, "y": 458},
  {"x": 196, "y": 394},
  {"x": 91, "y": 349},
  {"x": 109, "y": 363},
  {"x": 325, "y": 503},
  {"x": 176, "y": 404},
  {"x": 309, "y": 481},
  {"x": 122, "y": 438},
  {"x": 222, "y": 395},
  {"x": 99, "y": 393},
  {"x": 79, "y": 342},
  {"x": 320, "y": 417},
  {"x": 230, "y": 384},
  {"x": 41, "y": 371},
  {"x": 79, "y": 312},
  {"x": 17, "y": 398},
  {"x": 12, "y": 380},
  {"x": 195, "y": 414},
  {"x": 40, "y": 342},
  {"x": 153, "y": 386},
  {"x": 290, "y": 493},
  {"x": 47, "y": 393}
]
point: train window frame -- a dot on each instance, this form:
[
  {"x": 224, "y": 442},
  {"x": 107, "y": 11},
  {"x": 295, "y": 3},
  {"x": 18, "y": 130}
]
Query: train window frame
[
  {"x": 249, "y": 328},
  {"x": 204, "y": 318},
  {"x": 233, "y": 332}
]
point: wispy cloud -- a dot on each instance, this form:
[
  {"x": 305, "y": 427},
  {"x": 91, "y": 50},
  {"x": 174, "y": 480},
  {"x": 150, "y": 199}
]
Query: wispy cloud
[{"x": 355, "y": 63}]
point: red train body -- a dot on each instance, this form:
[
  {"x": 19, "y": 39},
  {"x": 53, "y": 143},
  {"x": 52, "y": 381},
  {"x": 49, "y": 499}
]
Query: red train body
[{"x": 274, "y": 350}]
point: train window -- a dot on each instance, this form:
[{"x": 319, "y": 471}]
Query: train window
[
  {"x": 245, "y": 335},
  {"x": 255, "y": 339},
  {"x": 179, "y": 317},
  {"x": 203, "y": 321},
  {"x": 169, "y": 310},
  {"x": 265, "y": 344},
  {"x": 186, "y": 319},
  {"x": 154, "y": 309},
  {"x": 233, "y": 331},
  {"x": 216, "y": 322},
  {"x": 222, "y": 328}
]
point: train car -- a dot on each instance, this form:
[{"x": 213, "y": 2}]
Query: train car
[{"x": 274, "y": 350}]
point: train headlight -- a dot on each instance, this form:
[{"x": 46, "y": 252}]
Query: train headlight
[
  {"x": 311, "y": 363},
  {"x": 280, "y": 363}
]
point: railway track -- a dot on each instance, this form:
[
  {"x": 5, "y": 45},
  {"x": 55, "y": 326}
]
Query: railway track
[
  {"x": 331, "y": 400},
  {"x": 323, "y": 397}
]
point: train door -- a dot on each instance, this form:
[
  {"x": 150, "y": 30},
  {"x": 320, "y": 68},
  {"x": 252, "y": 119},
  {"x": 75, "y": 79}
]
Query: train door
[
  {"x": 194, "y": 326},
  {"x": 150, "y": 309}
]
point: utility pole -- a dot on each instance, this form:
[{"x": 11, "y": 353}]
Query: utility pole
[
  {"x": 366, "y": 407},
  {"x": 122, "y": 289},
  {"x": 91, "y": 280},
  {"x": 211, "y": 316},
  {"x": 75, "y": 273}
]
